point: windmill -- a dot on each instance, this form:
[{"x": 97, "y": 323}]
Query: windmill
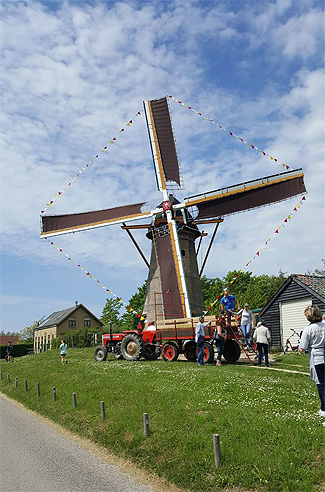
[{"x": 173, "y": 284}]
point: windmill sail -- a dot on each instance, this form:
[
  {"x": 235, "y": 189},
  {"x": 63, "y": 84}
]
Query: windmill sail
[
  {"x": 161, "y": 133},
  {"x": 249, "y": 195},
  {"x": 61, "y": 224}
]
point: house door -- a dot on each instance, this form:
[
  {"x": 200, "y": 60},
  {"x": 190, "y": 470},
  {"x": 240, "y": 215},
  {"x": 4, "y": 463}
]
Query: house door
[{"x": 292, "y": 316}]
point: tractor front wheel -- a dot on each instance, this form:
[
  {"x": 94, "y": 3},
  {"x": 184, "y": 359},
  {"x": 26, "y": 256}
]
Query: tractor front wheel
[
  {"x": 231, "y": 351},
  {"x": 170, "y": 352},
  {"x": 100, "y": 353},
  {"x": 132, "y": 347}
]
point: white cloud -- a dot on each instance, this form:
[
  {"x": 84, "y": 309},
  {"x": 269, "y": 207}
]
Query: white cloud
[{"x": 72, "y": 78}]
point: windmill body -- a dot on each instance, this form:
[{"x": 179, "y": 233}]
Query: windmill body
[
  {"x": 173, "y": 284},
  {"x": 163, "y": 298}
]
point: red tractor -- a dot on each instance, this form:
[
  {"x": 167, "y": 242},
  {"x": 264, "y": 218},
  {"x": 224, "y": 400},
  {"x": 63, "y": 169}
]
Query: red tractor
[{"x": 171, "y": 338}]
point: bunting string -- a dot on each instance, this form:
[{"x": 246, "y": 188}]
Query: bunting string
[
  {"x": 103, "y": 150},
  {"x": 258, "y": 253},
  {"x": 242, "y": 140},
  {"x": 88, "y": 274}
]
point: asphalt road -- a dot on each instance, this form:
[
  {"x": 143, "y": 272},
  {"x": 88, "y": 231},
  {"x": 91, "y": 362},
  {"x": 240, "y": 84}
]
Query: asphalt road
[{"x": 35, "y": 457}]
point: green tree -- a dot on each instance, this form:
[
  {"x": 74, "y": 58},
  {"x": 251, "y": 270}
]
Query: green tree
[
  {"x": 111, "y": 315},
  {"x": 211, "y": 289},
  {"x": 136, "y": 302},
  {"x": 27, "y": 334},
  {"x": 261, "y": 289}
]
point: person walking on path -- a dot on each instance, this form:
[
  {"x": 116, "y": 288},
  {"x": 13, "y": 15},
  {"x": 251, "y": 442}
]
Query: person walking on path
[
  {"x": 9, "y": 352},
  {"x": 63, "y": 351},
  {"x": 263, "y": 339},
  {"x": 313, "y": 341},
  {"x": 219, "y": 337},
  {"x": 199, "y": 338},
  {"x": 246, "y": 323}
]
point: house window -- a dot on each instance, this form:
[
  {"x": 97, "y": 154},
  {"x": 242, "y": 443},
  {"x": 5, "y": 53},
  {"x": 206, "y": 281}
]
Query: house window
[
  {"x": 87, "y": 322},
  {"x": 72, "y": 322}
]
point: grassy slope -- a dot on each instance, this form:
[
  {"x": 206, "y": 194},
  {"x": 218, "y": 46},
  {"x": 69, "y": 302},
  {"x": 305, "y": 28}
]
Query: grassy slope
[{"x": 270, "y": 437}]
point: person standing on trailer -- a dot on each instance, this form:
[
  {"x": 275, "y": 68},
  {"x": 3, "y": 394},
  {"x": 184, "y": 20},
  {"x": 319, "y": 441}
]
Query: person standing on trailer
[
  {"x": 200, "y": 338},
  {"x": 228, "y": 305},
  {"x": 246, "y": 323},
  {"x": 313, "y": 341}
]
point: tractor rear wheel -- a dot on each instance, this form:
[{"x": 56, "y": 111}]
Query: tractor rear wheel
[
  {"x": 132, "y": 347},
  {"x": 189, "y": 350},
  {"x": 100, "y": 353},
  {"x": 170, "y": 352},
  {"x": 231, "y": 351},
  {"x": 208, "y": 353}
]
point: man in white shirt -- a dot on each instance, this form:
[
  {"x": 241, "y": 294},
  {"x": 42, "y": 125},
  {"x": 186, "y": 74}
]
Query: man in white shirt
[{"x": 199, "y": 338}]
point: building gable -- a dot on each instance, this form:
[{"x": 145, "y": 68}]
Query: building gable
[{"x": 294, "y": 289}]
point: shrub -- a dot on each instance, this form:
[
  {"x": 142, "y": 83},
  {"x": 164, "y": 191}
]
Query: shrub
[
  {"x": 20, "y": 349},
  {"x": 79, "y": 339}
]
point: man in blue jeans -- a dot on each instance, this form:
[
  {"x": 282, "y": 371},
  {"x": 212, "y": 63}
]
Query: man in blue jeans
[{"x": 199, "y": 338}]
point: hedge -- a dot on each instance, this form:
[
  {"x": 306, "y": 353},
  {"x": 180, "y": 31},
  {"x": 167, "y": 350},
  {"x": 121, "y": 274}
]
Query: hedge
[{"x": 20, "y": 349}]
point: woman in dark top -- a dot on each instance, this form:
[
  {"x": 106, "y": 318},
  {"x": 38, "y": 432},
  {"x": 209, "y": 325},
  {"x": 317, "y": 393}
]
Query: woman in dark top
[
  {"x": 220, "y": 336},
  {"x": 10, "y": 352}
]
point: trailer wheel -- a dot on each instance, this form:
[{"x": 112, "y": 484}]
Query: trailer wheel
[
  {"x": 189, "y": 350},
  {"x": 208, "y": 353},
  {"x": 231, "y": 351},
  {"x": 117, "y": 351},
  {"x": 100, "y": 353},
  {"x": 170, "y": 352},
  {"x": 132, "y": 347}
]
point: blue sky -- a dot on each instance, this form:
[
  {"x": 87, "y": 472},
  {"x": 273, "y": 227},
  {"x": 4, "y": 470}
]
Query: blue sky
[{"x": 75, "y": 72}]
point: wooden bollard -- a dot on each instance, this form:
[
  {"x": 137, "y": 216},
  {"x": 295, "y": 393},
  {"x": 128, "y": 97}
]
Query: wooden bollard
[
  {"x": 102, "y": 409},
  {"x": 38, "y": 390},
  {"x": 0, "y": 376},
  {"x": 216, "y": 450},
  {"x": 8, "y": 378},
  {"x": 54, "y": 393},
  {"x": 25, "y": 384},
  {"x": 74, "y": 400},
  {"x": 145, "y": 425},
  {"x": 16, "y": 382}
]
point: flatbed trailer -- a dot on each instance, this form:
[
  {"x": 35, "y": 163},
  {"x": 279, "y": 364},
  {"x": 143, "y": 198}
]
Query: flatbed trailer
[
  {"x": 178, "y": 337},
  {"x": 169, "y": 338}
]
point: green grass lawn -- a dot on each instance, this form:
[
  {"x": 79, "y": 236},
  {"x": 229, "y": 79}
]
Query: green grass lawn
[{"x": 271, "y": 438}]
